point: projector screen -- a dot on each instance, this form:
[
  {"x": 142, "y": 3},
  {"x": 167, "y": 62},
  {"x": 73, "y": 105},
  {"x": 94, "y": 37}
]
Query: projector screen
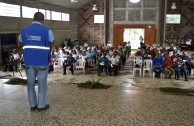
[{"x": 173, "y": 18}]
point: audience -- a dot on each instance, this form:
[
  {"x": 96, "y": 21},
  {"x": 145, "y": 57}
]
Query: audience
[{"x": 111, "y": 58}]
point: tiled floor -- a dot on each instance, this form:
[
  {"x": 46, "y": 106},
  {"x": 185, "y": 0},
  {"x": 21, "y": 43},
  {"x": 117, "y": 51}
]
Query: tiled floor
[
  {"x": 121, "y": 105},
  {"x": 117, "y": 106}
]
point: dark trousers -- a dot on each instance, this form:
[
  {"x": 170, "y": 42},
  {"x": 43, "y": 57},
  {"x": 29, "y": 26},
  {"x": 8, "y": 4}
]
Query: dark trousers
[
  {"x": 15, "y": 65},
  {"x": 71, "y": 68},
  {"x": 123, "y": 60},
  {"x": 113, "y": 68},
  {"x": 157, "y": 70},
  {"x": 100, "y": 69},
  {"x": 189, "y": 68}
]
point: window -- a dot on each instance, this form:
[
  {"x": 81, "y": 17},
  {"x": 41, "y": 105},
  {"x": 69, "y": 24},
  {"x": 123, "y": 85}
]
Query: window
[
  {"x": 173, "y": 18},
  {"x": 28, "y": 12},
  {"x": 42, "y": 11},
  {"x": 9, "y": 10},
  {"x": 56, "y": 16},
  {"x": 98, "y": 18},
  {"x": 65, "y": 17},
  {"x": 48, "y": 15}
]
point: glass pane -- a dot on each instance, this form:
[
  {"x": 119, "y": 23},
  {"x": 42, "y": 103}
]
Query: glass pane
[
  {"x": 173, "y": 18},
  {"x": 48, "y": 14},
  {"x": 28, "y": 12},
  {"x": 42, "y": 11},
  {"x": 9, "y": 10},
  {"x": 98, "y": 18},
  {"x": 56, "y": 16},
  {"x": 65, "y": 17}
]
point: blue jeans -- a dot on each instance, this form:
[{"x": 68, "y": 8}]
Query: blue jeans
[
  {"x": 41, "y": 73},
  {"x": 178, "y": 71}
]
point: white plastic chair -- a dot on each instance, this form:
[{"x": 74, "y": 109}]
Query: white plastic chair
[
  {"x": 58, "y": 64},
  {"x": 192, "y": 71},
  {"x": 138, "y": 57},
  {"x": 80, "y": 64},
  {"x": 137, "y": 65},
  {"x": 147, "y": 66},
  {"x": 161, "y": 74}
]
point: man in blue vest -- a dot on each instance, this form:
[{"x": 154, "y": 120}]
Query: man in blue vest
[{"x": 36, "y": 40}]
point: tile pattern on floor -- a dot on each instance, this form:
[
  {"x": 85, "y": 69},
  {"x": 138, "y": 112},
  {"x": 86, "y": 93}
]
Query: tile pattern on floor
[{"x": 120, "y": 105}]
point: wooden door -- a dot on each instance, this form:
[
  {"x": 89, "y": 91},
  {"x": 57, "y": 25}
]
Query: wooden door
[
  {"x": 149, "y": 36},
  {"x": 118, "y": 37}
]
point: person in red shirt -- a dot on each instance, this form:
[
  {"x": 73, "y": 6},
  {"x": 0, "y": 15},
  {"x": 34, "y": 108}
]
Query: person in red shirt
[
  {"x": 168, "y": 67},
  {"x": 174, "y": 58}
]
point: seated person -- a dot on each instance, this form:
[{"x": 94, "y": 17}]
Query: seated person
[
  {"x": 51, "y": 68},
  {"x": 167, "y": 64},
  {"x": 90, "y": 56},
  {"x": 157, "y": 65},
  {"x": 191, "y": 64},
  {"x": 89, "y": 53},
  {"x": 147, "y": 56},
  {"x": 57, "y": 51},
  {"x": 174, "y": 58},
  {"x": 15, "y": 59},
  {"x": 118, "y": 56},
  {"x": 9, "y": 62},
  {"x": 180, "y": 66},
  {"x": 123, "y": 58},
  {"x": 68, "y": 62},
  {"x": 192, "y": 61},
  {"x": 95, "y": 54},
  {"x": 103, "y": 63},
  {"x": 139, "y": 53},
  {"x": 113, "y": 64},
  {"x": 85, "y": 57}
]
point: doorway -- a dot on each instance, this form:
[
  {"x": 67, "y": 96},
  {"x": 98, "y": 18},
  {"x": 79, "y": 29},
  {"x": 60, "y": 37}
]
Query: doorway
[
  {"x": 119, "y": 30},
  {"x": 132, "y": 35}
]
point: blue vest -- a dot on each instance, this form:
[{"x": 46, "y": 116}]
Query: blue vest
[{"x": 36, "y": 45}]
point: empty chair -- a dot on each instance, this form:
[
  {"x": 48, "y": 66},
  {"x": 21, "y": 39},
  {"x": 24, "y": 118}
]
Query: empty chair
[
  {"x": 137, "y": 66},
  {"x": 147, "y": 66},
  {"x": 80, "y": 64}
]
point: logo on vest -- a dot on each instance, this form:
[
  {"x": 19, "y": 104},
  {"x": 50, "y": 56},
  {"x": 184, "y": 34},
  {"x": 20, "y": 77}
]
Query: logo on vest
[{"x": 33, "y": 38}]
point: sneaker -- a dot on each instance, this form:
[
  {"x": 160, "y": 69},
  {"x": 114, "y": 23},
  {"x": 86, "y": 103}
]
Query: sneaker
[
  {"x": 34, "y": 108},
  {"x": 43, "y": 109}
]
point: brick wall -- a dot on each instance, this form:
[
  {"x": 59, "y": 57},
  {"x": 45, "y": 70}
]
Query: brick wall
[{"x": 88, "y": 31}]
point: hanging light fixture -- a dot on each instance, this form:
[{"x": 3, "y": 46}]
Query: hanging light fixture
[
  {"x": 173, "y": 7},
  {"x": 94, "y": 8},
  {"x": 134, "y": 1},
  {"x": 74, "y": 1}
]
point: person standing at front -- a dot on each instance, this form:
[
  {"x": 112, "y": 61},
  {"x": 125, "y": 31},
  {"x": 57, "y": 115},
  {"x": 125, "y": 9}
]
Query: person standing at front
[
  {"x": 141, "y": 40},
  {"x": 36, "y": 40}
]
